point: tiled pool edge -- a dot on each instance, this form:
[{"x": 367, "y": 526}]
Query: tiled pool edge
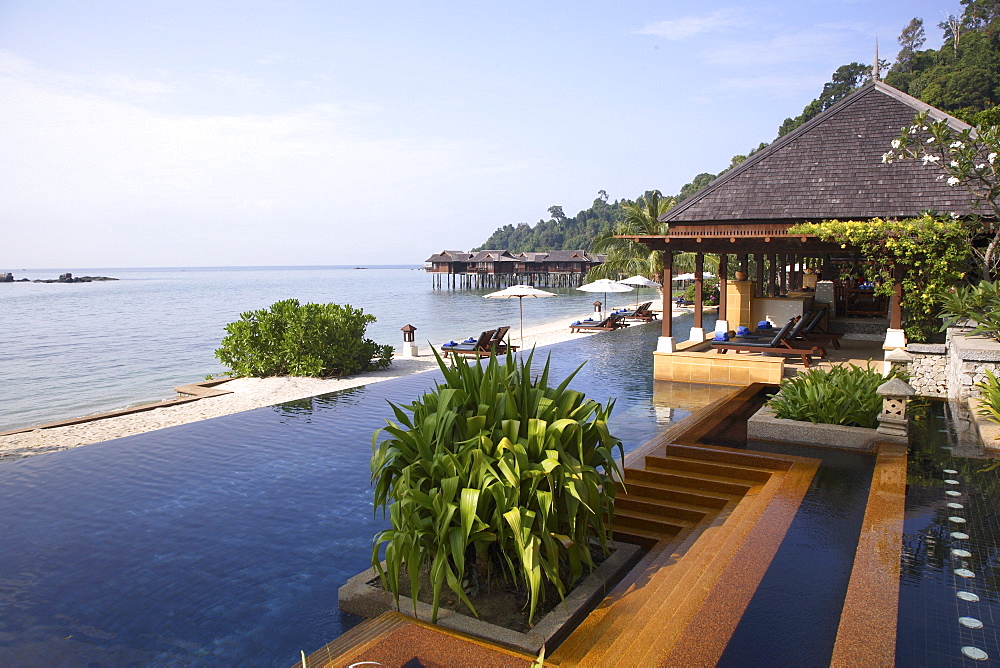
[{"x": 867, "y": 632}]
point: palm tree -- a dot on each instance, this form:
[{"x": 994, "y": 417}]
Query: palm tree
[{"x": 626, "y": 257}]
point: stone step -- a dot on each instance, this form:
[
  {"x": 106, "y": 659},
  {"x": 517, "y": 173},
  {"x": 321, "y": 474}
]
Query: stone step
[
  {"x": 722, "y": 469},
  {"x": 691, "y": 480}
]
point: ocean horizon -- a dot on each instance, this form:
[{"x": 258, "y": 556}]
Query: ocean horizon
[{"x": 82, "y": 348}]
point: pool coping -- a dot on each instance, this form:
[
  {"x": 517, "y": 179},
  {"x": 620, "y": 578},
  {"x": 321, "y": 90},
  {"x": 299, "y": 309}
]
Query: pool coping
[
  {"x": 191, "y": 392},
  {"x": 987, "y": 428},
  {"x": 872, "y": 600}
]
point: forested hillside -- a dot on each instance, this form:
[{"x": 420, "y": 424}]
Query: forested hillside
[{"x": 962, "y": 78}]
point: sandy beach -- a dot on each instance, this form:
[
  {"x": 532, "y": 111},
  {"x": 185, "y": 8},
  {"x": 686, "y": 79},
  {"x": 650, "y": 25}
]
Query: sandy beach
[{"x": 247, "y": 394}]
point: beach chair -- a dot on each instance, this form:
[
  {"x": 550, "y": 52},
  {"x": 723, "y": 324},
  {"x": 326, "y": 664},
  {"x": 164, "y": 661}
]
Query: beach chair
[
  {"x": 478, "y": 348},
  {"x": 641, "y": 313},
  {"x": 779, "y": 344},
  {"x": 813, "y": 332},
  {"x": 497, "y": 344},
  {"x": 613, "y": 321}
]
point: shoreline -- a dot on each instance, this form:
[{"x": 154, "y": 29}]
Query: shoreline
[{"x": 247, "y": 394}]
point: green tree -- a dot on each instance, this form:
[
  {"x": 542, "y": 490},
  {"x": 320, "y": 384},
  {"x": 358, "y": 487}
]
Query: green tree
[
  {"x": 910, "y": 41},
  {"x": 626, "y": 257},
  {"x": 968, "y": 159},
  {"x": 845, "y": 80},
  {"x": 697, "y": 183}
]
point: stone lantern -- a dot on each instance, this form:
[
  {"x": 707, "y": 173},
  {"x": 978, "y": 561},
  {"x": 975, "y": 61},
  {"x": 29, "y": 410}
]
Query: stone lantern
[
  {"x": 892, "y": 419},
  {"x": 897, "y": 358},
  {"x": 409, "y": 347},
  {"x": 597, "y": 307}
]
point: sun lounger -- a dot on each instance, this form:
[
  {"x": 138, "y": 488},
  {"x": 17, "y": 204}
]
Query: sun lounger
[
  {"x": 613, "y": 321},
  {"x": 779, "y": 344},
  {"x": 642, "y": 313},
  {"x": 497, "y": 344},
  {"x": 465, "y": 348},
  {"x": 812, "y": 331}
]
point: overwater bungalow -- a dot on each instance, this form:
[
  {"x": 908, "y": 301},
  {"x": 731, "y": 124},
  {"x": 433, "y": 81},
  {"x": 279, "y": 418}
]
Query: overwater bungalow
[{"x": 500, "y": 268}]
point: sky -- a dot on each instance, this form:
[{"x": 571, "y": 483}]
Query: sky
[{"x": 139, "y": 133}]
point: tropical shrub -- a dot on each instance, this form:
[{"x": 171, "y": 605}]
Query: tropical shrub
[
  {"x": 292, "y": 339},
  {"x": 494, "y": 473},
  {"x": 842, "y": 395},
  {"x": 990, "y": 388},
  {"x": 975, "y": 306}
]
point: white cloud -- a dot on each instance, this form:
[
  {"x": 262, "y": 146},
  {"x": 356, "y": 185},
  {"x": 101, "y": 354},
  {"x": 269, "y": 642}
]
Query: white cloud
[
  {"x": 689, "y": 26},
  {"x": 101, "y": 179}
]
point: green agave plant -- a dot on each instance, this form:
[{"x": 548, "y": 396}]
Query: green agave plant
[
  {"x": 843, "y": 395},
  {"x": 494, "y": 474}
]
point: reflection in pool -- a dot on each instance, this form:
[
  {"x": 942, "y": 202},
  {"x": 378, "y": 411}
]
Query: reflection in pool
[{"x": 225, "y": 541}]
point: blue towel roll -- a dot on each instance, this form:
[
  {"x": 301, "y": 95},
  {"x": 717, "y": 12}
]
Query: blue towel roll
[
  {"x": 576, "y": 322},
  {"x": 764, "y": 324},
  {"x": 449, "y": 344},
  {"x": 470, "y": 340},
  {"x": 589, "y": 320},
  {"x": 721, "y": 336},
  {"x": 742, "y": 331}
]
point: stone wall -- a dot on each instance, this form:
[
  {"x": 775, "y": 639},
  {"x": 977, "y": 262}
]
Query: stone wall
[
  {"x": 929, "y": 369},
  {"x": 968, "y": 359}
]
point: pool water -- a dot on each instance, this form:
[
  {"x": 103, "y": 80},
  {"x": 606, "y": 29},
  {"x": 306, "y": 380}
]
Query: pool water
[
  {"x": 949, "y": 601},
  {"x": 225, "y": 541}
]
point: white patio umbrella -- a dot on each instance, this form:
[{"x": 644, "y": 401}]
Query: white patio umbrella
[
  {"x": 520, "y": 291},
  {"x": 605, "y": 285},
  {"x": 690, "y": 277},
  {"x": 639, "y": 282}
]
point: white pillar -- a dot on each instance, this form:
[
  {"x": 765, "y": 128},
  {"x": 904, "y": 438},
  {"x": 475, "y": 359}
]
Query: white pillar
[
  {"x": 721, "y": 326},
  {"x": 894, "y": 338},
  {"x": 665, "y": 344},
  {"x": 697, "y": 334},
  {"x": 410, "y": 350}
]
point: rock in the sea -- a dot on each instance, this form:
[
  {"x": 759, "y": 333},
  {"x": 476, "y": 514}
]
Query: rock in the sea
[{"x": 6, "y": 278}]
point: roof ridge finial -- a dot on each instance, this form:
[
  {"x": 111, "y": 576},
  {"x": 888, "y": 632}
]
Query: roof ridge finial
[{"x": 875, "y": 67}]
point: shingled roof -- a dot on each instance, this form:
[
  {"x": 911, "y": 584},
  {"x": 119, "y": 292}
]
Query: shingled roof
[{"x": 831, "y": 167}]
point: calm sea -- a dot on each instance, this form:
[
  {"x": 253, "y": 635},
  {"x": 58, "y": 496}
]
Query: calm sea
[{"x": 74, "y": 349}]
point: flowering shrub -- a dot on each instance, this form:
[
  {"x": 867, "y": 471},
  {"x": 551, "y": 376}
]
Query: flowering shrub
[
  {"x": 932, "y": 254},
  {"x": 968, "y": 158}
]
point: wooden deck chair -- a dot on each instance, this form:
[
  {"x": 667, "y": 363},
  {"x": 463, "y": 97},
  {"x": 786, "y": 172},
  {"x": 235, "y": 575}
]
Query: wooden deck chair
[
  {"x": 778, "y": 345},
  {"x": 584, "y": 326},
  {"x": 812, "y": 331},
  {"x": 497, "y": 344},
  {"x": 482, "y": 344}
]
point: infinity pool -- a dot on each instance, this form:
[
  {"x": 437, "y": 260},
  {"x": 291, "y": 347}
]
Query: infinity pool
[{"x": 225, "y": 541}]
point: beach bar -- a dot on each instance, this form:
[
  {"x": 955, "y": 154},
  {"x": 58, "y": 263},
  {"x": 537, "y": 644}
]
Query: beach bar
[{"x": 829, "y": 168}]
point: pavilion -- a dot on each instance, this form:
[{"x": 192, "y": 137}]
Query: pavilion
[{"x": 829, "y": 168}]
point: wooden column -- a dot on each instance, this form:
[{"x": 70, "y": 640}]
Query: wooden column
[
  {"x": 783, "y": 275},
  {"x": 666, "y": 319},
  {"x": 759, "y": 288},
  {"x": 723, "y": 268},
  {"x": 699, "y": 295},
  {"x": 896, "y": 301},
  {"x": 772, "y": 278}
]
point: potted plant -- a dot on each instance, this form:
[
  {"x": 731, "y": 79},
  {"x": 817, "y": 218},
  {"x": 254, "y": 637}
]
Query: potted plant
[{"x": 494, "y": 474}]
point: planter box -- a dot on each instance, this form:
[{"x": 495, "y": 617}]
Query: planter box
[
  {"x": 358, "y": 597},
  {"x": 764, "y": 426}
]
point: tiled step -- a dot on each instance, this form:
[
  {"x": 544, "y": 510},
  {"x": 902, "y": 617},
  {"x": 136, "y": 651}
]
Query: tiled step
[
  {"x": 723, "y": 469},
  {"x": 694, "y": 481},
  {"x": 650, "y": 521},
  {"x": 639, "y": 536},
  {"x": 633, "y": 501},
  {"x": 679, "y": 493},
  {"x": 727, "y": 455}
]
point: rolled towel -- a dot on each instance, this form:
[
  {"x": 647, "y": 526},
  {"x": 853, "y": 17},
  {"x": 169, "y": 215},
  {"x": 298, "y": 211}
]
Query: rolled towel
[
  {"x": 470, "y": 340},
  {"x": 721, "y": 336},
  {"x": 449, "y": 344},
  {"x": 742, "y": 331},
  {"x": 576, "y": 322},
  {"x": 589, "y": 320},
  {"x": 764, "y": 324}
]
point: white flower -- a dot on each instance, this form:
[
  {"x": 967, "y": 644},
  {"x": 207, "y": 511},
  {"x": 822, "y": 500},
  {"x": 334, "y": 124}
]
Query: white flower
[
  {"x": 887, "y": 157},
  {"x": 981, "y": 165},
  {"x": 953, "y": 163},
  {"x": 930, "y": 140},
  {"x": 991, "y": 157},
  {"x": 956, "y": 144},
  {"x": 931, "y": 159},
  {"x": 896, "y": 143},
  {"x": 954, "y": 216},
  {"x": 924, "y": 128},
  {"x": 952, "y": 181}
]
